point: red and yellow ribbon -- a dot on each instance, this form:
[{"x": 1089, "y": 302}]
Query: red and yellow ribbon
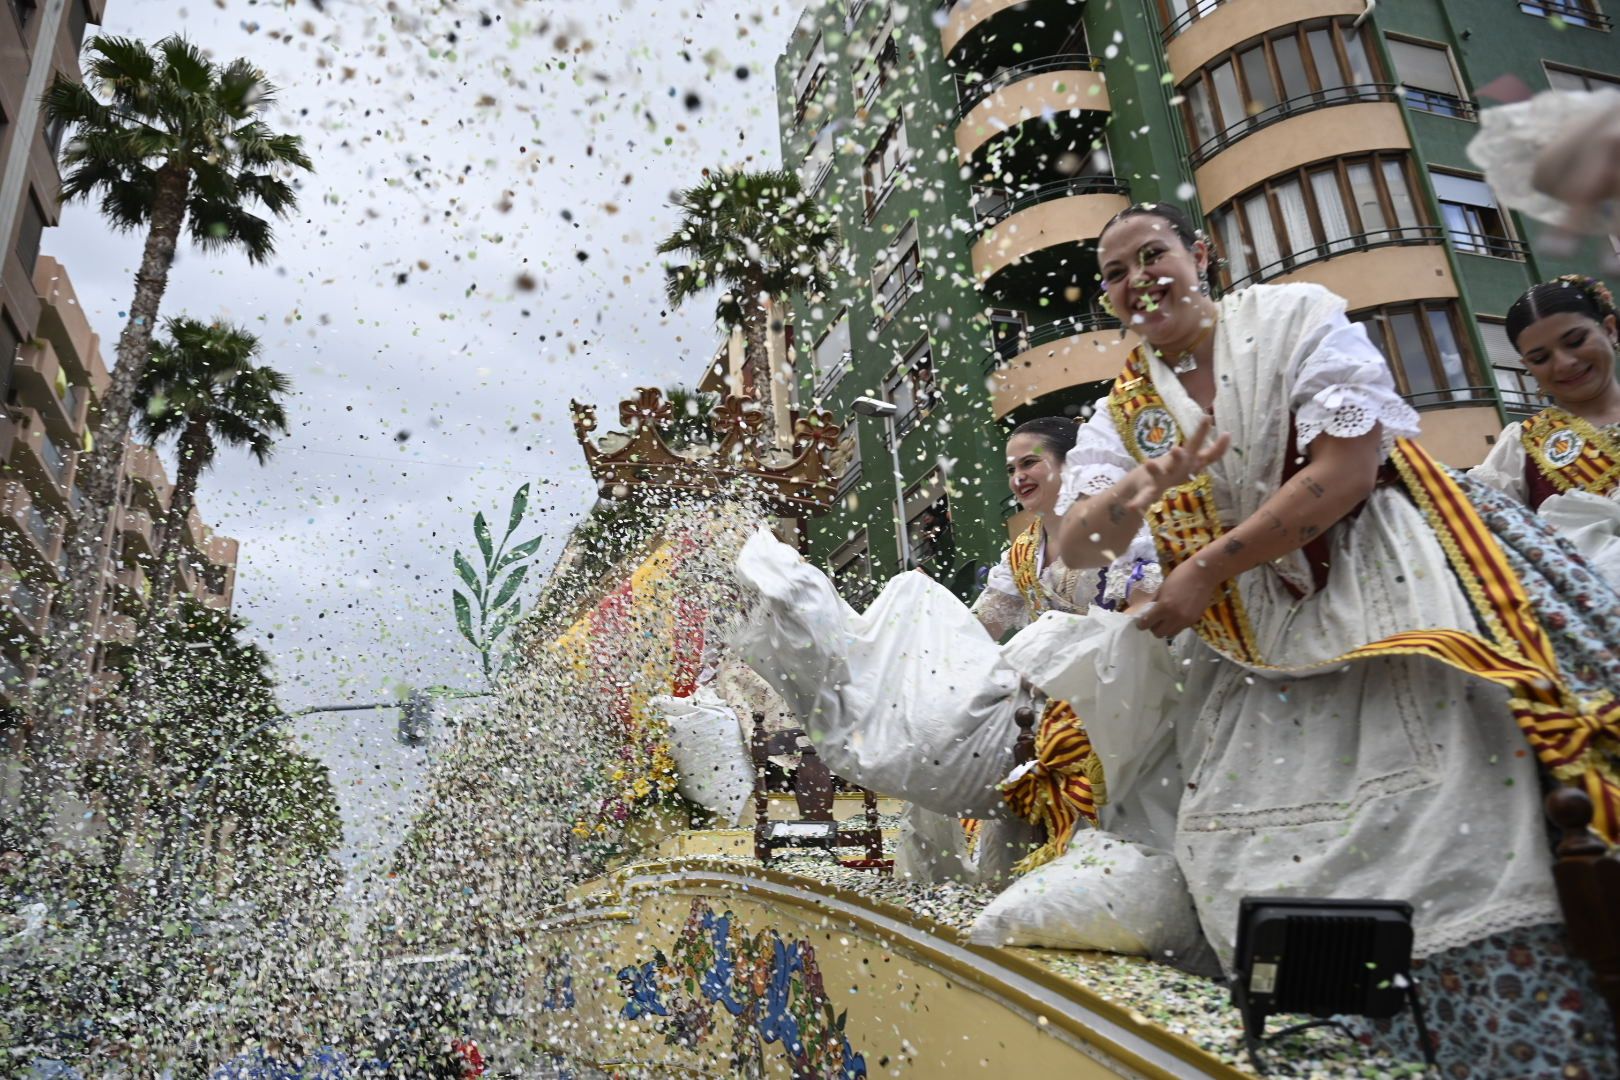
[{"x": 1595, "y": 467}]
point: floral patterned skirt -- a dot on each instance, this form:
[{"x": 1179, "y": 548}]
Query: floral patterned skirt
[{"x": 1509, "y": 1006}]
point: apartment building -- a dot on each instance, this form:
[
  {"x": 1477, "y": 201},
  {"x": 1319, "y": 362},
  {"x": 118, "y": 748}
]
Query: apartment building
[
  {"x": 52, "y": 377},
  {"x": 972, "y": 152}
]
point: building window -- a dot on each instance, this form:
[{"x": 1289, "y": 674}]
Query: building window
[
  {"x": 910, "y": 388},
  {"x": 878, "y": 65},
  {"x": 78, "y": 19},
  {"x": 1306, "y": 66},
  {"x": 1180, "y": 14},
  {"x": 845, "y": 460},
  {"x": 1521, "y": 396},
  {"x": 1572, "y": 12},
  {"x": 832, "y": 356},
  {"x": 1474, "y": 222},
  {"x": 810, "y": 77},
  {"x": 10, "y": 346},
  {"x": 883, "y": 165},
  {"x": 1427, "y": 351},
  {"x": 1315, "y": 212},
  {"x": 24, "y": 10},
  {"x": 852, "y": 570},
  {"x": 33, "y": 226},
  {"x": 897, "y": 275},
  {"x": 1429, "y": 79},
  {"x": 928, "y": 522},
  {"x": 1560, "y": 78},
  {"x": 818, "y": 163}
]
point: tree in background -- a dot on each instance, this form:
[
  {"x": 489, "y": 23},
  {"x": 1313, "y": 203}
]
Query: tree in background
[
  {"x": 168, "y": 140},
  {"x": 203, "y": 388}
]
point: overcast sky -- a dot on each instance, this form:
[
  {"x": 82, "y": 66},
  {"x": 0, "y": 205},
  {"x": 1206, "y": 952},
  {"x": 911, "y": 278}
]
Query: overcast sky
[{"x": 474, "y": 248}]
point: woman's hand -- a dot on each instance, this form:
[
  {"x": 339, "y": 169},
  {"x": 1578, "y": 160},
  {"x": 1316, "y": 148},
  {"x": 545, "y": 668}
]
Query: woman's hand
[
  {"x": 1158, "y": 475},
  {"x": 1182, "y": 600}
]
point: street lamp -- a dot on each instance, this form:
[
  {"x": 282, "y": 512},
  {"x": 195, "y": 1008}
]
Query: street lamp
[{"x": 867, "y": 406}]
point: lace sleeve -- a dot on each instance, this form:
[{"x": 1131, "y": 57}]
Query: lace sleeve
[
  {"x": 1098, "y": 461},
  {"x": 1000, "y": 607},
  {"x": 1503, "y": 467},
  {"x": 1134, "y": 572},
  {"x": 1342, "y": 386}
]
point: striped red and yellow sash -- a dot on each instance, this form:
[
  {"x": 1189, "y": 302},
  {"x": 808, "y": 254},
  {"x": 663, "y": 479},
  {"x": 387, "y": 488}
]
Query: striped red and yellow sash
[
  {"x": 1573, "y": 735},
  {"x": 1063, "y": 784},
  {"x": 1024, "y": 558},
  {"x": 1571, "y": 453}
]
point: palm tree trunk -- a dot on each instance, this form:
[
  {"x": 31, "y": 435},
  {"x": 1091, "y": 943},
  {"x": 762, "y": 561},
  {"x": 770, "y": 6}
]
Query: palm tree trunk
[
  {"x": 196, "y": 449},
  {"x": 58, "y": 723},
  {"x": 757, "y": 354}
]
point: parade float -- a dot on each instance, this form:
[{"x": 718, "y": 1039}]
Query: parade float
[{"x": 778, "y": 941}]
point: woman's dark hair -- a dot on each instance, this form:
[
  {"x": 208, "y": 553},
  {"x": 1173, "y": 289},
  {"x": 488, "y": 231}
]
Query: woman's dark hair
[
  {"x": 1056, "y": 433},
  {"x": 1572, "y": 292},
  {"x": 1179, "y": 223}
]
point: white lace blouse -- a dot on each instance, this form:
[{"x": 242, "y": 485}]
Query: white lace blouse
[{"x": 1001, "y": 607}]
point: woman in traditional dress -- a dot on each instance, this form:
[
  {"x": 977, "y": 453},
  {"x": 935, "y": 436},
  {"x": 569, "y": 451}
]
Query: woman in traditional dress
[
  {"x": 1308, "y": 770},
  {"x": 1564, "y": 462}
]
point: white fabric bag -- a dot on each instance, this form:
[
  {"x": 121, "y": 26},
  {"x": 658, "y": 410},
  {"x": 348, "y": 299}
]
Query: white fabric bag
[
  {"x": 707, "y": 745},
  {"x": 910, "y": 698},
  {"x": 1102, "y": 893},
  {"x": 1592, "y": 524}
]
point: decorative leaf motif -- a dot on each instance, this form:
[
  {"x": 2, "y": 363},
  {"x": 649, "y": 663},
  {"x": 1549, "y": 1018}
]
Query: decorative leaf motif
[
  {"x": 519, "y": 553},
  {"x": 485, "y": 543},
  {"x": 464, "y": 617},
  {"x": 508, "y": 590},
  {"x": 502, "y": 621},
  {"x": 520, "y": 505},
  {"x": 469, "y": 575}
]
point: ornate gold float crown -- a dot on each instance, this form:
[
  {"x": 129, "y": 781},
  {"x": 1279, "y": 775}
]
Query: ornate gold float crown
[{"x": 798, "y": 485}]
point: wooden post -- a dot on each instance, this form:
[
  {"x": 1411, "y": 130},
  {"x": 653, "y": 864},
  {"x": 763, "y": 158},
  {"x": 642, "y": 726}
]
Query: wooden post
[
  {"x": 762, "y": 802},
  {"x": 1587, "y": 874},
  {"x": 1024, "y": 745}
]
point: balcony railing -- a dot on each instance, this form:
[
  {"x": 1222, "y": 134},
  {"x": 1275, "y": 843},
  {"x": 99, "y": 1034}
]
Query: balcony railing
[
  {"x": 1294, "y": 106},
  {"x": 1001, "y": 352},
  {"x": 39, "y": 528},
  {"x": 970, "y": 94},
  {"x": 1196, "y": 9},
  {"x": 1452, "y": 397},
  {"x": 55, "y": 461},
  {"x": 905, "y": 423},
  {"x": 1519, "y": 403},
  {"x": 888, "y": 305},
  {"x": 1411, "y": 235},
  {"x": 1572, "y": 14},
  {"x": 858, "y": 593},
  {"x": 851, "y": 477},
  {"x": 1498, "y": 247},
  {"x": 1438, "y": 103},
  {"x": 833, "y": 375},
  {"x": 1011, "y": 202},
  {"x": 29, "y": 600}
]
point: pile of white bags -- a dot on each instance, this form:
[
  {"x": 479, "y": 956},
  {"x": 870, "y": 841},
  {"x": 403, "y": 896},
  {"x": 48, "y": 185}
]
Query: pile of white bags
[{"x": 706, "y": 743}]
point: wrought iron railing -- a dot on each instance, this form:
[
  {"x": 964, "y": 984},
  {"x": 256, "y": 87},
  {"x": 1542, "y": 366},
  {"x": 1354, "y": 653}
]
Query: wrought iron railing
[
  {"x": 1294, "y": 106},
  {"x": 833, "y": 375},
  {"x": 1196, "y": 9},
  {"x": 1439, "y": 103},
  {"x": 910, "y": 283},
  {"x": 1573, "y": 14},
  {"x": 1498, "y": 247},
  {"x": 969, "y": 94},
  {"x": 851, "y": 477},
  {"x": 1452, "y": 397},
  {"x": 1012, "y": 202},
  {"x": 1001, "y": 352},
  {"x": 1519, "y": 403},
  {"x": 1404, "y": 237}
]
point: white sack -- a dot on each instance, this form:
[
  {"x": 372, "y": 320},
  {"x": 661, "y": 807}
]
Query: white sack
[
  {"x": 1102, "y": 893},
  {"x": 715, "y": 769},
  {"x": 1592, "y": 524},
  {"x": 910, "y": 699}
]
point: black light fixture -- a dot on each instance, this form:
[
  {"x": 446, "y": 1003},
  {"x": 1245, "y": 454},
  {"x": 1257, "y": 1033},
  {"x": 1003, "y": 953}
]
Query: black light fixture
[{"x": 1324, "y": 958}]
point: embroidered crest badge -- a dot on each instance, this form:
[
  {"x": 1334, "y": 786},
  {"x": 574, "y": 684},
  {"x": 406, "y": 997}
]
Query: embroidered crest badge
[
  {"x": 1155, "y": 431},
  {"x": 1563, "y": 447}
]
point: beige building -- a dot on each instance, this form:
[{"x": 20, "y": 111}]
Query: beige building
[{"x": 52, "y": 377}]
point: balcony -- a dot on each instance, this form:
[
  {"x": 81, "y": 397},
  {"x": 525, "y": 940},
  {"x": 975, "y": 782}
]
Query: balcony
[
  {"x": 46, "y": 468},
  {"x": 1207, "y": 28},
  {"x": 39, "y": 378},
  {"x": 19, "y": 513},
  {"x": 889, "y": 304},
  {"x": 145, "y": 468},
  {"x": 1327, "y": 125},
  {"x": 1317, "y": 99},
  {"x": 13, "y": 681},
  {"x": 1048, "y": 85},
  {"x": 1050, "y": 218},
  {"x": 133, "y": 589},
  {"x": 833, "y": 375},
  {"x": 994, "y": 205},
  {"x": 969, "y": 27},
  {"x": 1390, "y": 266},
  {"x": 26, "y": 602},
  {"x": 138, "y": 534},
  {"x": 1054, "y": 357},
  {"x": 1568, "y": 13},
  {"x": 850, "y": 480},
  {"x": 118, "y": 630},
  {"x": 62, "y": 320}
]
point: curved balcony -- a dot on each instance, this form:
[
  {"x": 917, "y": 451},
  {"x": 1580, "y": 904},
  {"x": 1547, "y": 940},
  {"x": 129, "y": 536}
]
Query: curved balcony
[
  {"x": 1067, "y": 82},
  {"x": 1049, "y": 217},
  {"x": 986, "y": 212},
  {"x": 1321, "y": 99},
  {"x": 1054, "y": 357},
  {"x": 964, "y": 21},
  {"x": 1390, "y": 266},
  {"x": 1333, "y": 127},
  {"x": 1208, "y": 28}
]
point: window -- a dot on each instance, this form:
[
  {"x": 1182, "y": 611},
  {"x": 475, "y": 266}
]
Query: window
[
  {"x": 1426, "y": 350},
  {"x": 1430, "y": 81},
  {"x": 1009, "y": 334},
  {"x": 832, "y": 356},
  {"x": 78, "y": 18},
  {"x": 24, "y": 10},
  {"x": 884, "y": 163},
  {"x": 10, "y": 345},
  {"x": 845, "y": 460},
  {"x": 1572, "y": 12},
  {"x": 1472, "y": 219},
  {"x": 1520, "y": 394},
  {"x": 1569, "y": 79},
  {"x": 1179, "y": 14},
  {"x": 1305, "y": 66},
  {"x": 852, "y": 569},
  {"x": 818, "y": 163},
  {"x": 877, "y": 66},
  {"x": 928, "y": 522},
  {"x": 1313, "y": 213},
  {"x": 33, "y": 225},
  {"x": 897, "y": 275},
  {"x": 809, "y": 78},
  {"x": 910, "y": 387}
]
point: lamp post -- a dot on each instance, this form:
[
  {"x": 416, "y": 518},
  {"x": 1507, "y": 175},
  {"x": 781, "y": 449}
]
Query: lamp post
[{"x": 867, "y": 406}]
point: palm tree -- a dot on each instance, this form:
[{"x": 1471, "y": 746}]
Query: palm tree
[
  {"x": 203, "y": 387},
  {"x": 169, "y": 140},
  {"x": 691, "y": 416},
  {"x": 759, "y": 237}
]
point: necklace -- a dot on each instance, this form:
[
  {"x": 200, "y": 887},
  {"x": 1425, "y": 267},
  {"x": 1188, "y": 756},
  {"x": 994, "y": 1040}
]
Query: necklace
[{"x": 1184, "y": 361}]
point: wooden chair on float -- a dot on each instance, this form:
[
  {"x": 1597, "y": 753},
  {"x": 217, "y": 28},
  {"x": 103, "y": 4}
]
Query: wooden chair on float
[
  {"x": 1587, "y": 874},
  {"x": 812, "y": 786}
]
